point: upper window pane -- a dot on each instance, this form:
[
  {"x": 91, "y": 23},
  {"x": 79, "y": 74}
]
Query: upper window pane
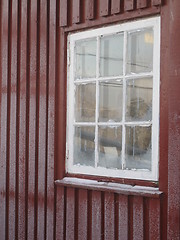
[
  {"x": 140, "y": 51},
  {"x": 85, "y": 58},
  {"x": 111, "y": 55}
]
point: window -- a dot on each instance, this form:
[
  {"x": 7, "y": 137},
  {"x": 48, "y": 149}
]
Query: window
[{"x": 113, "y": 101}]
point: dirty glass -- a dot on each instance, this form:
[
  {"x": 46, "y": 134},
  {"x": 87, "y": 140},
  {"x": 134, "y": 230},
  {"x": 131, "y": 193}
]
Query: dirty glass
[
  {"x": 111, "y": 55},
  {"x": 110, "y": 101},
  {"x": 140, "y": 51},
  {"x": 84, "y": 146},
  {"x": 85, "y": 60},
  {"x": 139, "y": 99},
  {"x": 85, "y": 102},
  {"x": 138, "y": 147},
  {"x": 110, "y": 146}
]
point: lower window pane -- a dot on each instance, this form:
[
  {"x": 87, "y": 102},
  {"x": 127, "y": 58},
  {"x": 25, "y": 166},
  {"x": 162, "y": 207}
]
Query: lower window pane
[
  {"x": 138, "y": 147},
  {"x": 110, "y": 145},
  {"x": 84, "y": 146}
]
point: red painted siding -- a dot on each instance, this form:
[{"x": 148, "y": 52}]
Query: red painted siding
[{"x": 33, "y": 45}]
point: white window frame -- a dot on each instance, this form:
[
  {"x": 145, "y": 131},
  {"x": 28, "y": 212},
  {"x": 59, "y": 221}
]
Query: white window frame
[{"x": 100, "y": 171}]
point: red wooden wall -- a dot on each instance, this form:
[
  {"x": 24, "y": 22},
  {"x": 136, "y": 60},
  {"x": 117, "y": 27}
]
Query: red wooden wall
[
  {"x": 27, "y": 95},
  {"x": 33, "y": 119}
]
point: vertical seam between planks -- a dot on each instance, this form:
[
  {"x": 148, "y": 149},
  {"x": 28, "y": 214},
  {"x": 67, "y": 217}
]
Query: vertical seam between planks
[
  {"x": 116, "y": 215},
  {"x": 8, "y": 116},
  {"x": 17, "y": 117},
  {"x": 65, "y": 207},
  {"x": 102, "y": 213},
  {"x": 89, "y": 215},
  {"x": 27, "y": 115},
  {"x": 47, "y": 110},
  {"x": 76, "y": 213},
  {"x": 55, "y": 108},
  {"x": 37, "y": 122}
]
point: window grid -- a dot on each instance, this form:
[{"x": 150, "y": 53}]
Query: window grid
[{"x": 123, "y": 123}]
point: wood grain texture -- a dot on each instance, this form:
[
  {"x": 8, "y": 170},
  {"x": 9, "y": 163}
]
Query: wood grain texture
[
  {"x": 89, "y": 8},
  {"x": 154, "y": 219},
  {"x": 70, "y": 214},
  {"x": 63, "y": 13},
  {"x": 141, "y": 4},
  {"x": 96, "y": 215},
  {"x": 129, "y": 5},
  {"x": 104, "y": 7},
  {"x": 115, "y": 6},
  {"x": 109, "y": 217},
  {"x": 122, "y": 217},
  {"x": 76, "y": 4},
  {"x": 82, "y": 214},
  {"x": 138, "y": 218},
  {"x": 156, "y": 2}
]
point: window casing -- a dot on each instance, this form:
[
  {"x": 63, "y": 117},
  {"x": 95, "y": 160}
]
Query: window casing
[{"x": 113, "y": 101}]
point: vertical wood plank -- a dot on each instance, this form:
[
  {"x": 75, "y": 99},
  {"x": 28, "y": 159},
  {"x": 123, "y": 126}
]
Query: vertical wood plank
[
  {"x": 42, "y": 120},
  {"x": 104, "y": 7},
  {"x": 63, "y": 13},
  {"x": 109, "y": 216},
  {"x": 89, "y": 9},
  {"x": 76, "y": 11},
  {"x": 82, "y": 215},
  {"x": 31, "y": 74},
  {"x": 70, "y": 214},
  {"x": 137, "y": 218},
  {"x": 13, "y": 108},
  {"x": 141, "y": 4},
  {"x": 122, "y": 217},
  {"x": 51, "y": 121},
  {"x": 154, "y": 219},
  {"x": 60, "y": 217},
  {"x": 156, "y": 2},
  {"x": 22, "y": 121},
  {"x": 115, "y": 6},
  {"x": 96, "y": 215},
  {"x": 129, "y": 5},
  {"x": 3, "y": 106}
]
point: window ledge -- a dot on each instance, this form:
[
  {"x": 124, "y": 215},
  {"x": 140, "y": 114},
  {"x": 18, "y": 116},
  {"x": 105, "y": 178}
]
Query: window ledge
[{"x": 110, "y": 187}]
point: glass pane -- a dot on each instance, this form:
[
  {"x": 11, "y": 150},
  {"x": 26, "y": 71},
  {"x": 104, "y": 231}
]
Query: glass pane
[
  {"x": 85, "y": 58},
  {"x": 111, "y": 55},
  {"x": 138, "y": 147},
  {"x": 140, "y": 51},
  {"x": 110, "y": 145},
  {"x": 84, "y": 146},
  {"x": 110, "y": 101},
  {"x": 139, "y": 99},
  {"x": 85, "y": 102}
]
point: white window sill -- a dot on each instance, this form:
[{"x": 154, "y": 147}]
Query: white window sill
[{"x": 110, "y": 187}]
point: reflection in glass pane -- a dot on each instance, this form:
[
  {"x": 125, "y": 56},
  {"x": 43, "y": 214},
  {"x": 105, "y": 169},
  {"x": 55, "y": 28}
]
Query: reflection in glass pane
[
  {"x": 140, "y": 51},
  {"x": 85, "y": 51},
  {"x": 110, "y": 101},
  {"x": 139, "y": 99},
  {"x": 111, "y": 55},
  {"x": 110, "y": 145},
  {"x": 85, "y": 102},
  {"x": 84, "y": 146},
  {"x": 138, "y": 147}
]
